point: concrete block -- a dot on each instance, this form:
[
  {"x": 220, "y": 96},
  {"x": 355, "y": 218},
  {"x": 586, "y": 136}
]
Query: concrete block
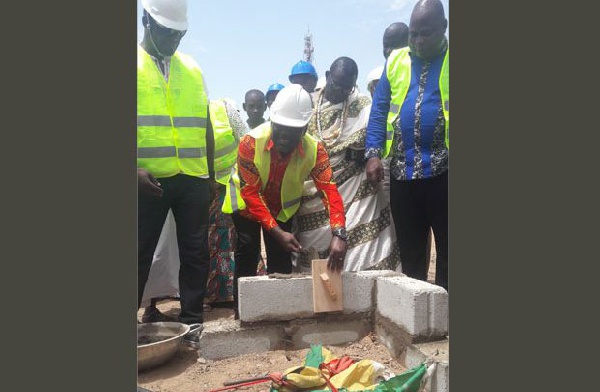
[
  {"x": 359, "y": 289},
  {"x": 441, "y": 378},
  {"x": 266, "y": 299},
  {"x": 334, "y": 330},
  {"x": 438, "y": 311},
  {"x": 419, "y": 307},
  {"x": 435, "y": 352},
  {"x": 417, "y": 353},
  {"x": 395, "y": 338},
  {"x": 227, "y": 338}
]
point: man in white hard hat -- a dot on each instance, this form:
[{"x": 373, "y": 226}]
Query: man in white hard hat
[
  {"x": 266, "y": 187},
  {"x": 174, "y": 152}
]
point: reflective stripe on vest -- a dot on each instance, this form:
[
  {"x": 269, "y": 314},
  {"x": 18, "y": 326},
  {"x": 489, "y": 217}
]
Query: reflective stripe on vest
[
  {"x": 296, "y": 172},
  {"x": 171, "y": 131},
  {"x": 398, "y": 72},
  {"x": 226, "y": 147},
  {"x": 233, "y": 201}
]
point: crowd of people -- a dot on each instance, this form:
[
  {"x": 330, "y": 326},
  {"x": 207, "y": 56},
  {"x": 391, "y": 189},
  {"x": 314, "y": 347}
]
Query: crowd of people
[{"x": 360, "y": 179}]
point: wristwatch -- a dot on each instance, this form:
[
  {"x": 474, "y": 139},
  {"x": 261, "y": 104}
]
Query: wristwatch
[{"x": 341, "y": 233}]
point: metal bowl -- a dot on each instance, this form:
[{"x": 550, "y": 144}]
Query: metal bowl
[{"x": 160, "y": 341}]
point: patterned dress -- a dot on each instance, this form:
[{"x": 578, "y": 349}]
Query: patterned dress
[{"x": 371, "y": 236}]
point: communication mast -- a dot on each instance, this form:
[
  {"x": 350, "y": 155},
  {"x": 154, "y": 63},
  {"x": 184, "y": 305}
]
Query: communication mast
[{"x": 308, "y": 48}]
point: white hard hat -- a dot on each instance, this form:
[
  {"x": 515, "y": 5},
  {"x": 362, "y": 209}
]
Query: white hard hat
[
  {"x": 292, "y": 107},
  {"x": 168, "y": 13},
  {"x": 375, "y": 74}
]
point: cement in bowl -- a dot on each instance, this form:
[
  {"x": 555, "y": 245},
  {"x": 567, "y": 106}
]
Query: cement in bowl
[{"x": 158, "y": 342}]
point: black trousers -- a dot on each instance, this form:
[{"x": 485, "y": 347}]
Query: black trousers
[
  {"x": 247, "y": 250},
  {"x": 189, "y": 198},
  {"x": 418, "y": 205}
]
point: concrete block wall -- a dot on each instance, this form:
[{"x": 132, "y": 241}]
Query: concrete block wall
[
  {"x": 230, "y": 338},
  {"x": 359, "y": 289},
  {"x": 334, "y": 330},
  {"x": 226, "y": 339},
  {"x": 276, "y": 313},
  {"x": 262, "y": 298},
  {"x": 418, "y": 307}
]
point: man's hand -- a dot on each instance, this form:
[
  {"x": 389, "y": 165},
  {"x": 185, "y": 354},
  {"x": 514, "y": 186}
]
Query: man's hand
[
  {"x": 374, "y": 171},
  {"x": 337, "y": 254},
  {"x": 287, "y": 240},
  {"x": 147, "y": 184}
]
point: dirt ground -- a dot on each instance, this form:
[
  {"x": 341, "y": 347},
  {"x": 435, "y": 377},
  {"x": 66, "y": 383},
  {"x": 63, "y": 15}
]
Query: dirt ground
[{"x": 187, "y": 371}]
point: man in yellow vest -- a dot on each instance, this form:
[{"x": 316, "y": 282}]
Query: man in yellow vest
[
  {"x": 174, "y": 152},
  {"x": 394, "y": 37},
  {"x": 265, "y": 188},
  {"x": 410, "y": 118},
  {"x": 228, "y": 126}
]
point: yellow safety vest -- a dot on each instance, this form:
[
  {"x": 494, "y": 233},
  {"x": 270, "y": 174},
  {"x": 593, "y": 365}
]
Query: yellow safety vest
[
  {"x": 226, "y": 146},
  {"x": 398, "y": 72},
  {"x": 171, "y": 117},
  {"x": 292, "y": 185}
]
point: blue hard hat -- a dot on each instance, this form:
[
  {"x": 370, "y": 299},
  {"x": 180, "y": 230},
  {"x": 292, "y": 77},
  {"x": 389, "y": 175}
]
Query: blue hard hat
[
  {"x": 275, "y": 87},
  {"x": 303, "y": 67}
]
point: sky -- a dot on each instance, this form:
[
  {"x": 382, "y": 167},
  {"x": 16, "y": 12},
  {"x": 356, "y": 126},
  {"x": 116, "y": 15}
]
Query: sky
[{"x": 243, "y": 45}]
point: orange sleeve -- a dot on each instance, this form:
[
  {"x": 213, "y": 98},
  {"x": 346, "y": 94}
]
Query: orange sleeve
[
  {"x": 250, "y": 185},
  {"x": 322, "y": 176}
]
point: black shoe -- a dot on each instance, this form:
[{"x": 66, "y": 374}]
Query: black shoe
[{"x": 153, "y": 315}]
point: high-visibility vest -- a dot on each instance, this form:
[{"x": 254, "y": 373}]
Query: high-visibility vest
[
  {"x": 298, "y": 169},
  {"x": 398, "y": 72},
  {"x": 226, "y": 146},
  {"x": 171, "y": 117}
]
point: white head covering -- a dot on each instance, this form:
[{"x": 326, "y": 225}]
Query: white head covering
[
  {"x": 320, "y": 83},
  {"x": 375, "y": 74}
]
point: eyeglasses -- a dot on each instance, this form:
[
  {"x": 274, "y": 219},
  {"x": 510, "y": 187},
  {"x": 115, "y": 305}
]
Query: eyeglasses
[
  {"x": 337, "y": 86},
  {"x": 165, "y": 31}
]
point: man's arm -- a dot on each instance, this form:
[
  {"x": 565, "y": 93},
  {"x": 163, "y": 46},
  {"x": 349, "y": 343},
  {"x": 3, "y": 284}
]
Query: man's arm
[
  {"x": 256, "y": 208},
  {"x": 376, "y": 127},
  {"x": 322, "y": 176},
  {"x": 250, "y": 184},
  {"x": 376, "y": 130}
]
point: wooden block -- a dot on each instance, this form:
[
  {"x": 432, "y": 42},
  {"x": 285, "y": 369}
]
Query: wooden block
[
  {"x": 327, "y": 288},
  {"x": 327, "y": 283}
]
